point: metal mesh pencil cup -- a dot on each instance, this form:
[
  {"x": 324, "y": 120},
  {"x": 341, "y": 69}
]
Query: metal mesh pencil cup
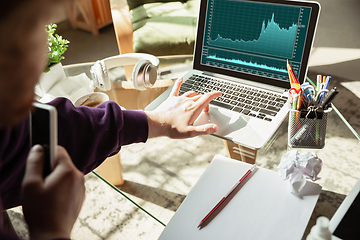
[{"x": 307, "y": 130}]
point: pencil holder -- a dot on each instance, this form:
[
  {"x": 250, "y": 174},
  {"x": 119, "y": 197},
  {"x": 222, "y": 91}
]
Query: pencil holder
[{"x": 307, "y": 129}]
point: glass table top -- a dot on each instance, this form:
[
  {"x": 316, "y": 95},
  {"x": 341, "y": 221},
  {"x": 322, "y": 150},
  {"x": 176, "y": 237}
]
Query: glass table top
[{"x": 160, "y": 173}]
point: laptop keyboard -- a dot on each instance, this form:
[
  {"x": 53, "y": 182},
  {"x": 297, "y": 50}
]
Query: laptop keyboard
[{"x": 236, "y": 97}]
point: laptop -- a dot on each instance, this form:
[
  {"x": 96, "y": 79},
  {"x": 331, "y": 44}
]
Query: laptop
[{"x": 241, "y": 49}]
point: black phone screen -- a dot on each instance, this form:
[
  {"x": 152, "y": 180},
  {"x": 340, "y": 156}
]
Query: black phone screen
[
  {"x": 349, "y": 227},
  {"x": 40, "y": 134}
]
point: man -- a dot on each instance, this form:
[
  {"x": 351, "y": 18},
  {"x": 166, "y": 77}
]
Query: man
[{"x": 87, "y": 135}]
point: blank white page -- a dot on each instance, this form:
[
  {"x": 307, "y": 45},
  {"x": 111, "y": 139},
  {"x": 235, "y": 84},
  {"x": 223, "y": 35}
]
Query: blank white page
[{"x": 263, "y": 207}]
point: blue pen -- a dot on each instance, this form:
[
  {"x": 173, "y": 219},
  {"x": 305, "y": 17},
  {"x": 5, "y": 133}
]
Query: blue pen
[
  {"x": 324, "y": 86},
  {"x": 327, "y": 81}
]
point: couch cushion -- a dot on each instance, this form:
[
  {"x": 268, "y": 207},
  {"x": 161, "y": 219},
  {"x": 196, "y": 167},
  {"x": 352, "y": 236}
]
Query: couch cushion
[{"x": 165, "y": 28}]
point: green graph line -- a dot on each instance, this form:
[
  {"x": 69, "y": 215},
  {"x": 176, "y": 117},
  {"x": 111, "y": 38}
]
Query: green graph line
[{"x": 280, "y": 39}]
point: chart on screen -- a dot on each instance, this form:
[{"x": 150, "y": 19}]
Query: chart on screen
[{"x": 259, "y": 40}]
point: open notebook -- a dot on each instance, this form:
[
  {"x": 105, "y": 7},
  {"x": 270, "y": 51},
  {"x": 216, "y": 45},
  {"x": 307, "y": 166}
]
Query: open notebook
[{"x": 262, "y": 209}]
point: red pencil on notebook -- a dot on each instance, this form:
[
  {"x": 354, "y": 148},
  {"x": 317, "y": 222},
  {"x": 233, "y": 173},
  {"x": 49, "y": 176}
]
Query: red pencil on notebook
[{"x": 226, "y": 196}]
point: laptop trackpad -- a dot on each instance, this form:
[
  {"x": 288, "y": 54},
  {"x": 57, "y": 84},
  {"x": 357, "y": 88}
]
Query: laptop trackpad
[{"x": 227, "y": 121}]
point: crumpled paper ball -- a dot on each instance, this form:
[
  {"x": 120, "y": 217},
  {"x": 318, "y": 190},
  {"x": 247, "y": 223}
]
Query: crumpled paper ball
[{"x": 297, "y": 167}]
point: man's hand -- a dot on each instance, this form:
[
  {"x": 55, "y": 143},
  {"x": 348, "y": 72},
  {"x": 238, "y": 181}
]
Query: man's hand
[
  {"x": 176, "y": 115},
  {"x": 51, "y": 205}
]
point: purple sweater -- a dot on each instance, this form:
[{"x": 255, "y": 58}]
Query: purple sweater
[{"x": 90, "y": 135}]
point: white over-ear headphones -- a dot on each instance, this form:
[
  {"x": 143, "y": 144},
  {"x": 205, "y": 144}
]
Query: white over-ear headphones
[{"x": 144, "y": 74}]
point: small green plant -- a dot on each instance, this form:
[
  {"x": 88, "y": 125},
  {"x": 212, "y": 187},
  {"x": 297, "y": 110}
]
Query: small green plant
[{"x": 56, "y": 44}]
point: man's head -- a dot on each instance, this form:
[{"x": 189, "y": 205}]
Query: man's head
[{"x": 23, "y": 48}]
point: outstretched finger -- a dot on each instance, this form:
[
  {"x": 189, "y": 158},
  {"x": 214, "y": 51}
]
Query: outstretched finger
[
  {"x": 205, "y": 99},
  {"x": 176, "y": 89},
  {"x": 190, "y": 94}
]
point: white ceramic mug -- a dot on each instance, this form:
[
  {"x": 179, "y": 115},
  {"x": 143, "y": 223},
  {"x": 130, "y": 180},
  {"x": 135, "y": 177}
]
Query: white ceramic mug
[{"x": 91, "y": 99}]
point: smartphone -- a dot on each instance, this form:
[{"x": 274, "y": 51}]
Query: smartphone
[
  {"x": 43, "y": 131},
  {"x": 346, "y": 220}
]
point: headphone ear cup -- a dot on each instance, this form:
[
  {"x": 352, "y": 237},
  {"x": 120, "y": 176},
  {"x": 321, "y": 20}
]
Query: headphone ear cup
[
  {"x": 100, "y": 76},
  {"x": 144, "y": 75}
]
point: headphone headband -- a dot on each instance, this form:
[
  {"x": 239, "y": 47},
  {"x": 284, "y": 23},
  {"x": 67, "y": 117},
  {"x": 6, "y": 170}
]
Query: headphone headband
[{"x": 129, "y": 59}]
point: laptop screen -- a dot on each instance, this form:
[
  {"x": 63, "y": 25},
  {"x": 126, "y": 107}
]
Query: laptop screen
[{"x": 253, "y": 39}]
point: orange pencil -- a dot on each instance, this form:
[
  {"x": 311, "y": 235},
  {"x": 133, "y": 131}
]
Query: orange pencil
[
  {"x": 293, "y": 78},
  {"x": 290, "y": 77},
  {"x": 299, "y": 103}
]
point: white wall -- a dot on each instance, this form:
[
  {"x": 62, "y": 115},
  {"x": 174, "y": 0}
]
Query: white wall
[{"x": 336, "y": 49}]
